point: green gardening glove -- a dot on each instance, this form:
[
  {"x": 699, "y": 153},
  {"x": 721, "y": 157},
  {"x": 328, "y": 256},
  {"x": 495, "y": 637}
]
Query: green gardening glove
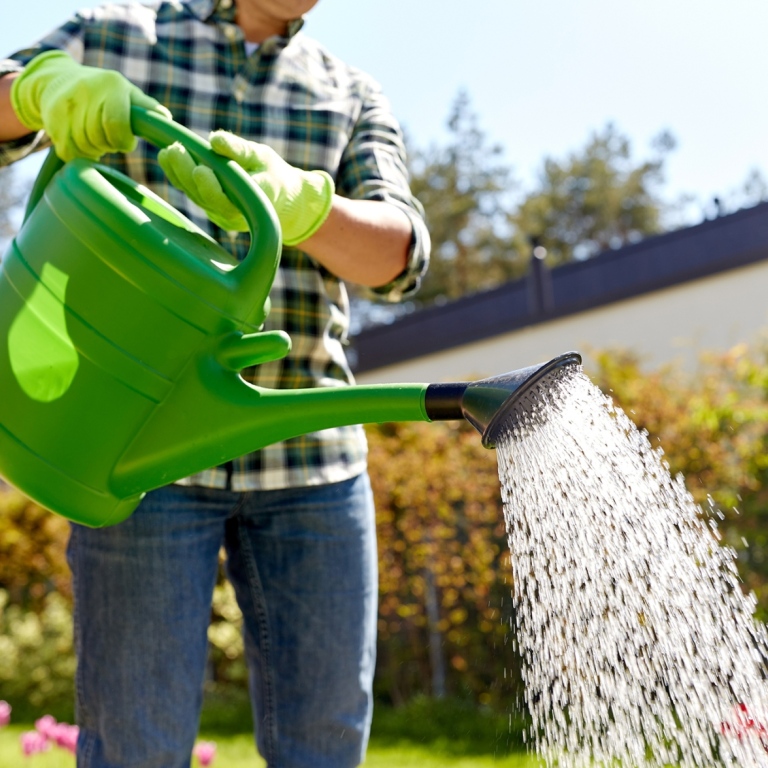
[
  {"x": 86, "y": 111},
  {"x": 302, "y": 199}
]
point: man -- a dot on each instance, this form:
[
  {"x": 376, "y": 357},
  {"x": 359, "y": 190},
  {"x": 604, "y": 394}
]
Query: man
[{"x": 296, "y": 519}]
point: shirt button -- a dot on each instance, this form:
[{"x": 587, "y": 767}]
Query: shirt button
[
  {"x": 240, "y": 93},
  {"x": 231, "y": 32},
  {"x": 225, "y": 5}
]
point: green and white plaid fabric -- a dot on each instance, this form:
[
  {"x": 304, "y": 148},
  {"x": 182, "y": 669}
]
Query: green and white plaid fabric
[{"x": 317, "y": 113}]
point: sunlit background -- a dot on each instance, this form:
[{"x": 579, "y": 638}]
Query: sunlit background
[{"x": 542, "y": 76}]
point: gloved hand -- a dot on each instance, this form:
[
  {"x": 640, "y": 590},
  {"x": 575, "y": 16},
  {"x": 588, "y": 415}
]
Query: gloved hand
[
  {"x": 84, "y": 110},
  {"x": 301, "y": 199}
]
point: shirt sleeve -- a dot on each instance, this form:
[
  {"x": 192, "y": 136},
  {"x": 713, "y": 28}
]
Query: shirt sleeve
[
  {"x": 68, "y": 38},
  {"x": 373, "y": 167}
]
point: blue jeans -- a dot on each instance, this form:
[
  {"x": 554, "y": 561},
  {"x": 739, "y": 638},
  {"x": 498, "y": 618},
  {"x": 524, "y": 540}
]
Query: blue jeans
[{"x": 304, "y": 568}]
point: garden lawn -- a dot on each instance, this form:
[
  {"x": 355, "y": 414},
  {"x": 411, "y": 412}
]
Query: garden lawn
[
  {"x": 425, "y": 733},
  {"x": 237, "y": 751},
  {"x": 410, "y": 756}
]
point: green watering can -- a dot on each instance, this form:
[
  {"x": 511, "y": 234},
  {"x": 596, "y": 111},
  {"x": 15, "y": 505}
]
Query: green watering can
[{"x": 123, "y": 331}]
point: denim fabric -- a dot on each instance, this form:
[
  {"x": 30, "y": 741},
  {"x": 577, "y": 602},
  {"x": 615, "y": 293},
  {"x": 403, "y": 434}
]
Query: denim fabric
[{"x": 303, "y": 563}]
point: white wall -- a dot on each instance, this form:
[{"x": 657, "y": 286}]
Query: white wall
[{"x": 674, "y": 324}]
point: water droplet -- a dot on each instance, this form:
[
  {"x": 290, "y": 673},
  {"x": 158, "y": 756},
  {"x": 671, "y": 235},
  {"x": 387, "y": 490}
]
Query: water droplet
[{"x": 638, "y": 645}]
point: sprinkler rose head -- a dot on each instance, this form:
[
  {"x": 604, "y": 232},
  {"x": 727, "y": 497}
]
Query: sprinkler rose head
[{"x": 498, "y": 402}]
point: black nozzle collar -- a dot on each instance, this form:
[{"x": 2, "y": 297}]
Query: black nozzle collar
[{"x": 489, "y": 403}]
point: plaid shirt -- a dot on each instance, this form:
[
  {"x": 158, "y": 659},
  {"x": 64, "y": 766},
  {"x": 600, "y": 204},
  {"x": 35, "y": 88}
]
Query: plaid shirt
[{"x": 317, "y": 113}]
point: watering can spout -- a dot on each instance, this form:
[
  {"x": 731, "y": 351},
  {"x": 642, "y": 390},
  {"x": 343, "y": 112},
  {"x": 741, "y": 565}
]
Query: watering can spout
[
  {"x": 239, "y": 418},
  {"x": 493, "y": 404}
]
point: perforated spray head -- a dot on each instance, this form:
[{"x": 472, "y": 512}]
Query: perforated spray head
[{"x": 499, "y": 401}]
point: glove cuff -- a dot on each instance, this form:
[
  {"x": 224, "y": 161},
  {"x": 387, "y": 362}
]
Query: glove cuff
[
  {"x": 311, "y": 208},
  {"x": 26, "y": 88}
]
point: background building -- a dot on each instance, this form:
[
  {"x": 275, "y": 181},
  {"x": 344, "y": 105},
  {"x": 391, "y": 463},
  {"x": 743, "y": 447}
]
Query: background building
[{"x": 668, "y": 298}]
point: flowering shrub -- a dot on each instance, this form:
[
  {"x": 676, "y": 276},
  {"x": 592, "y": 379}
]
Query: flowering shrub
[
  {"x": 61, "y": 734},
  {"x": 445, "y": 575},
  {"x": 33, "y": 544},
  {"x": 49, "y": 732},
  {"x": 37, "y": 662},
  {"x": 444, "y": 572}
]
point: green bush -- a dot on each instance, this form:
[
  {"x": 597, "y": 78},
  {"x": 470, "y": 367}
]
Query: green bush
[
  {"x": 444, "y": 623},
  {"x": 445, "y": 576},
  {"x": 36, "y": 653},
  {"x": 37, "y": 662},
  {"x": 225, "y": 639},
  {"x": 32, "y": 551},
  {"x": 449, "y": 726}
]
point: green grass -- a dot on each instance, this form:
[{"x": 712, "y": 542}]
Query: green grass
[
  {"x": 11, "y": 755},
  {"x": 411, "y": 756},
  {"x": 425, "y": 734},
  {"x": 238, "y": 751}
]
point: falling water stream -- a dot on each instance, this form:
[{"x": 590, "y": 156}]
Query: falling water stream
[{"x": 639, "y": 645}]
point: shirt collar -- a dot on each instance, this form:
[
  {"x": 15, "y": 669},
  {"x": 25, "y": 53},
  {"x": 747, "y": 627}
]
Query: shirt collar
[
  {"x": 224, "y": 10},
  {"x": 202, "y": 9}
]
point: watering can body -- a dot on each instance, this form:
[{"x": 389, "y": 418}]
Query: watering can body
[
  {"x": 105, "y": 294},
  {"x": 123, "y": 330}
]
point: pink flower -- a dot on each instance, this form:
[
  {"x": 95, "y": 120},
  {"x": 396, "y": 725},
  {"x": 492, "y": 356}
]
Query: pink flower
[
  {"x": 33, "y": 742},
  {"x": 66, "y": 736},
  {"x": 5, "y": 713},
  {"x": 61, "y": 734},
  {"x": 205, "y": 751},
  {"x": 46, "y": 727}
]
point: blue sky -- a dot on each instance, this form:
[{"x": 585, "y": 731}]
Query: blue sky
[{"x": 542, "y": 76}]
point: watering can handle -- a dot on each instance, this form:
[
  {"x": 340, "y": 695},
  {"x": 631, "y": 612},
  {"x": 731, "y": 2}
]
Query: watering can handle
[{"x": 256, "y": 273}]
